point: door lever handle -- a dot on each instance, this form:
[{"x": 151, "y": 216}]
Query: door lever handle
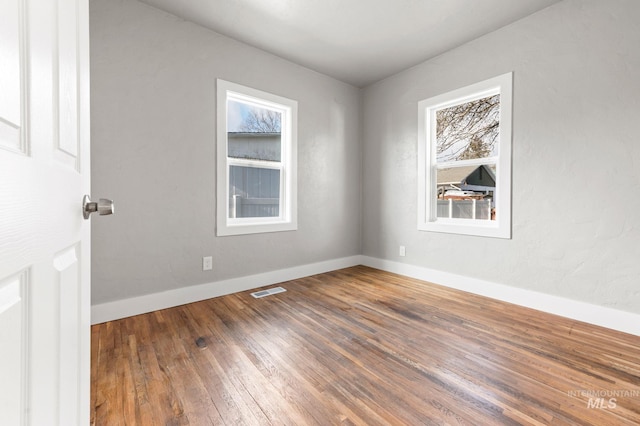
[{"x": 103, "y": 206}]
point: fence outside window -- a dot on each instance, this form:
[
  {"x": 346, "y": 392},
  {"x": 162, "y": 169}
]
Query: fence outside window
[{"x": 464, "y": 209}]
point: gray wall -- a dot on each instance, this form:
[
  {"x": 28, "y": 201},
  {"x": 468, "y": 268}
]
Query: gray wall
[
  {"x": 576, "y": 156},
  {"x": 153, "y": 152}
]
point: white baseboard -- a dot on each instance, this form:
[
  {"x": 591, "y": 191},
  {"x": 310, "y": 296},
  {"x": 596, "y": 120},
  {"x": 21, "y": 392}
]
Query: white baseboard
[
  {"x": 152, "y": 302},
  {"x": 593, "y": 314},
  {"x": 626, "y": 322}
]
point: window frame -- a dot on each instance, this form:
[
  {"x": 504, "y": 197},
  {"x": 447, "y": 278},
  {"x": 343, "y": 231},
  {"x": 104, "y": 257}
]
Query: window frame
[
  {"x": 428, "y": 166},
  {"x": 287, "y": 219}
]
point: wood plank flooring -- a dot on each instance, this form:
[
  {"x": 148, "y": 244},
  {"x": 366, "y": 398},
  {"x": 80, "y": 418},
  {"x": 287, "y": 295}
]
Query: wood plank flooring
[{"x": 361, "y": 347}]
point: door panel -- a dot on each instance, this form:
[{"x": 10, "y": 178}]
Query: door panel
[
  {"x": 12, "y": 32},
  {"x": 13, "y": 326},
  {"x": 44, "y": 240},
  {"x": 66, "y": 86},
  {"x": 67, "y": 277},
  {"x": 14, "y": 302}
]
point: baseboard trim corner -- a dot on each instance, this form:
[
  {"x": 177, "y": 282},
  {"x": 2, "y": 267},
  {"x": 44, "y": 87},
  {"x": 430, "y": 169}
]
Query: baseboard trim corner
[{"x": 614, "y": 319}]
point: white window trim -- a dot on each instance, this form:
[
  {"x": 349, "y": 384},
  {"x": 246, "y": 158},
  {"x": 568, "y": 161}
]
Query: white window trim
[
  {"x": 427, "y": 220},
  {"x": 288, "y": 219}
]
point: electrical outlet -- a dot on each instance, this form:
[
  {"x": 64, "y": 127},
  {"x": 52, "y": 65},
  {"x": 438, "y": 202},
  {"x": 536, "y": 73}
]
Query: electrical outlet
[
  {"x": 207, "y": 263},
  {"x": 403, "y": 251}
]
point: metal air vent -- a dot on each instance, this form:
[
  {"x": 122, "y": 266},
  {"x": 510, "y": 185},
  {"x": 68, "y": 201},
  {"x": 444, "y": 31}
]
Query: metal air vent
[{"x": 268, "y": 292}]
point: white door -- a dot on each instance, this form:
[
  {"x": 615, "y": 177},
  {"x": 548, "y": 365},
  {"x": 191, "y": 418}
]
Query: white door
[{"x": 44, "y": 240}]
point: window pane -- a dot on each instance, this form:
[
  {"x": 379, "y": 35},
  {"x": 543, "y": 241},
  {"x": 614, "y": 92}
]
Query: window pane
[
  {"x": 469, "y": 130},
  {"x": 466, "y": 192},
  {"x": 254, "y": 192},
  {"x": 253, "y": 132}
]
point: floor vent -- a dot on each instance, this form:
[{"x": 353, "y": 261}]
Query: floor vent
[{"x": 268, "y": 292}]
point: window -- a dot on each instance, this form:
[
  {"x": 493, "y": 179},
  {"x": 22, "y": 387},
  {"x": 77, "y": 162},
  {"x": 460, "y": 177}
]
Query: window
[
  {"x": 256, "y": 175},
  {"x": 464, "y": 160}
]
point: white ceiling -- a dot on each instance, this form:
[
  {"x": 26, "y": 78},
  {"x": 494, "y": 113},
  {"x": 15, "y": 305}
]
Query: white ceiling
[{"x": 356, "y": 41}]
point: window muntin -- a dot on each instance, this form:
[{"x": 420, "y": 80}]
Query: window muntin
[
  {"x": 256, "y": 161},
  {"x": 465, "y": 160}
]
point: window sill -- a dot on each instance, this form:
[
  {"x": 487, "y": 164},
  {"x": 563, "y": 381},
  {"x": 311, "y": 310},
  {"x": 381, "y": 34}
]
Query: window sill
[
  {"x": 479, "y": 228},
  {"x": 255, "y": 228}
]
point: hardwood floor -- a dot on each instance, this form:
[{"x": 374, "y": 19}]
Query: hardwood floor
[{"x": 361, "y": 347}]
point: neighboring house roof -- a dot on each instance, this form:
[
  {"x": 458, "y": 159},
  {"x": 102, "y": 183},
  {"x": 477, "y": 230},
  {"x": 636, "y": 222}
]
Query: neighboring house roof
[
  {"x": 255, "y": 145},
  {"x": 454, "y": 176},
  {"x": 470, "y": 176}
]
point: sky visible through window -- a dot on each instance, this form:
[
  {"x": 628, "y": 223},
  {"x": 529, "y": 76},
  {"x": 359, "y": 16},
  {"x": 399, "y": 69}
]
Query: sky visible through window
[{"x": 239, "y": 115}]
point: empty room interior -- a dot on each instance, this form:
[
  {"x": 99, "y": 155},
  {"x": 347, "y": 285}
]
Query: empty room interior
[{"x": 417, "y": 276}]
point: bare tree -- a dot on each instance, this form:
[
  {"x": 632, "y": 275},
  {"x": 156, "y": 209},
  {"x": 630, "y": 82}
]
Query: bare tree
[
  {"x": 477, "y": 148},
  {"x": 469, "y": 130},
  {"x": 261, "y": 121}
]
